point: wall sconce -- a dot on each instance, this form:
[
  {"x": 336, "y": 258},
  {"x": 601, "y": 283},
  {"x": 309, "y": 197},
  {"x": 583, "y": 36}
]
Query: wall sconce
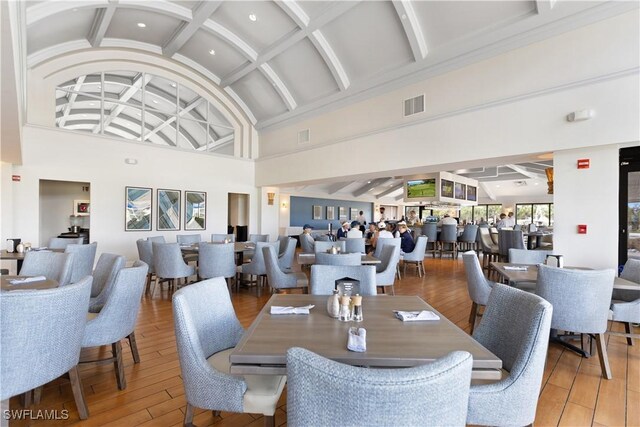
[
  {"x": 284, "y": 205},
  {"x": 270, "y": 198}
]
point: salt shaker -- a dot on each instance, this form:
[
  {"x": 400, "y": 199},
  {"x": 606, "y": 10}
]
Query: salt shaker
[
  {"x": 345, "y": 310},
  {"x": 357, "y": 308},
  {"x": 333, "y": 304}
]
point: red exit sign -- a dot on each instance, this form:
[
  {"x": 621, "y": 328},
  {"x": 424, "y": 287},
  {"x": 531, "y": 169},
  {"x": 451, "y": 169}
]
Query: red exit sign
[
  {"x": 583, "y": 163},
  {"x": 15, "y": 178}
]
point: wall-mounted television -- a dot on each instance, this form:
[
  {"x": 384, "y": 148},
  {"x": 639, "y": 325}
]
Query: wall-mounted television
[
  {"x": 419, "y": 188},
  {"x": 472, "y": 193},
  {"x": 460, "y": 191},
  {"x": 446, "y": 188}
]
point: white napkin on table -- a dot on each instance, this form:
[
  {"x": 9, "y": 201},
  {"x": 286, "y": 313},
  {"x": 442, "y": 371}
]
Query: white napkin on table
[
  {"x": 413, "y": 316},
  {"x": 515, "y": 268},
  {"x": 357, "y": 340},
  {"x": 275, "y": 309},
  {"x": 27, "y": 280}
]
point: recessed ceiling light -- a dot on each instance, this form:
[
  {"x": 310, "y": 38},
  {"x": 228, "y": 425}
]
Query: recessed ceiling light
[
  {"x": 368, "y": 182},
  {"x": 141, "y": 25},
  {"x": 84, "y": 115},
  {"x": 92, "y": 103},
  {"x": 212, "y": 52},
  {"x": 173, "y": 85},
  {"x": 154, "y": 101},
  {"x": 535, "y": 183},
  {"x": 253, "y": 17},
  {"x": 497, "y": 185}
]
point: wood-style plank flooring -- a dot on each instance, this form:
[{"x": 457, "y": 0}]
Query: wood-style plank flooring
[{"x": 573, "y": 393}]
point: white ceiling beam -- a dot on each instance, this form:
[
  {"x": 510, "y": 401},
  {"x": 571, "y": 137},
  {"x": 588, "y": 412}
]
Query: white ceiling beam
[
  {"x": 279, "y": 85},
  {"x": 488, "y": 192},
  {"x": 217, "y": 29},
  {"x": 218, "y": 144},
  {"x": 370, "y": 185},
  {"x": 295, "y": 12},
  {"x": 412, "y": 28},
  {"x": 334, "y": 188},
  {"x": 72, "y": 99},
  {"x": 101, "y": 23},
  {"x": 525, "y": 172},
  {"x": 171, "y": 119},
  {"x": 544, "y": 6},
  {"x": 331, "y": 59},
  {"x": 400, "y": 197},
  {"x": 187, "y": 29},
  {"x": 390, "y": 190},
  {"x": 126, "y": 95}
]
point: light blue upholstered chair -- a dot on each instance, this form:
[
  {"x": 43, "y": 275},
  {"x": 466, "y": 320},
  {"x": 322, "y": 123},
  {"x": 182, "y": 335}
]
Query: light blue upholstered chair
[
  {"x": 323, "y": 278},
  {"x": 355, "y": 244},
  {"x": 41, "y": 337},
  {"x": 467, "y": 240},
  {"x": 104, "y": 276},
  {"x": 509, "y": 239},
  {"x": 188, "y": 239},
  {"x": 430, "y": 229},
  {"x": 169, "y": 264},
  {"x": 277, "y": 278},
  {"x": 216, "y": 260},
  {"x": 581, "y": 300},
  {"x": 478, "y": 286},
  {"x": 62, "y": 243},
  {"x": 321, "y": 392},
  {"x": 53, "y": 265},
  {"x": 307, "y": 243},
  {"x": 255, "y": 238},
  {"x": 396, "y": 241},
  {"x": 285, "y": 259},
  {"x": 220, "y": 238},
  {"x": 448, "y": 240},
  {"x": 157, "y": 239},
  {"x": 515, "y": 327},
  {"x": 83, "y": 258},
  {"x": 207, "y": 330},
  {"x": 525, "y": 256},
  {"x": 386, "y": 270},
  {"x": 325, "y": 246},
  {"x": 489, "y": 249},
  {"x": 145, "y": 254},
  {"x": 625, "y": 304},
  {"x": 416, "y": 256},
  {"x": 323, "y": 258},
  {"x": 631, "y": 271},
  {"x": 282, "y": 244},
  {"x": 257, "y": 267},
  {"x": 117, "y": 319}
]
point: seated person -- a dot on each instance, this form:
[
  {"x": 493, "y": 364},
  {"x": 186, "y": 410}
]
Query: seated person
[
  {"x": 354, "y": 231},
  {"x": 306, "y": 239},
  {"x": 447, "y": 220},
  {"x": 406, "y": 239},
  {"x": 342, "y": 232},
  {"x": 413, "y": 217},
  {"x": 382, "y": 233},
  {"x": 373, "y": 229},
  {"x": 503, "y": 223}
]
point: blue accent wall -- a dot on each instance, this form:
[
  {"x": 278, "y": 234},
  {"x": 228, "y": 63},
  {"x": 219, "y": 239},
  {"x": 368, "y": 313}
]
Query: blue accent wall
[{"x": 301, "y": 211}]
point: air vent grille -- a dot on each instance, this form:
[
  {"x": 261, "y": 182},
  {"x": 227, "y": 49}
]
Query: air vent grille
[
  {"x": 304, "y": 136},
  {"x": 413, "y": 106}
]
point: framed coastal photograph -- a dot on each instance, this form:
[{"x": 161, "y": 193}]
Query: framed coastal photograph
[
  {"x": 446, "y": 188},
  {"x": 168, "y": 210},
  {"x": 331, "y": 213},
  {"x": 353, "y": 214},
  {"x": 342, "y": 213},
  {"x": 195, "y": 210},
  {"x": 460, "y": 191},
  {"x": 137, "y": 209},
  {"x": 317, "y": 212}
]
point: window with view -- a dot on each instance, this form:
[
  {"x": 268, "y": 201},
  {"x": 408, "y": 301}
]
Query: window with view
[{"x": 540, "y": 214}]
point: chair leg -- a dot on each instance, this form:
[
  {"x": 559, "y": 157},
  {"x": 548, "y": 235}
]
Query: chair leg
[
  {"x": 602, "y": 355},
  {"x": 188, "y": 416},
  {"x": 473, "y": 314},
  {"x": 27, "y": 398},
  {"x": 37, "y": 395},
  {"x": 627, "y": 329},
  {"x": 116, "y": 349},
  {"x": 269, "y": 421},
  {"x": 78, "y": 393},
  {"x": 134, "y": 347}
]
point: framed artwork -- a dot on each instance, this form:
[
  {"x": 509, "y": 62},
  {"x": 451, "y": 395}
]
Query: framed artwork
[
  {"x": 81, "y": 207},
  {"x": 168, "y": 210},
  {"x": 472, "y": 193},
  {"x": 331, "y": 213},
  {"x": 138, "y": 209},
  {"x": 353, "y": 214},
  {"x": 195, "y": 210},
  {"x": 317, "y": 212},
  {"x": 342, "y": 213},
  {"x": 446, "y": 188},
  {"x": 460, "y": 191}
]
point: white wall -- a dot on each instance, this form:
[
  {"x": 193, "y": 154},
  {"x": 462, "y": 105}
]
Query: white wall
[
  {"x": 587, "y": 196},
  {"x": 56, "y": 205},
  {"x": 67, "y": 156}
]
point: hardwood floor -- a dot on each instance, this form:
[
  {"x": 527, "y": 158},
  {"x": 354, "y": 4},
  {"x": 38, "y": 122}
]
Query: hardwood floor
[{"x": 573, "y": 393}]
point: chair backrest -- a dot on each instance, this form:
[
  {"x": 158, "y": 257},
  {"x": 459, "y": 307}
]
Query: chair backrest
[
  {"x": 485, "y": 239},
  {"x": 83, "y": 259},
  {"x": 117, "y": 318},
  {"x": 323, "y": 278},
  {"x": 493, "y": 234},
  {"x": 478, "y": 286},
  {"x": 508, "y": 239},
  {"x": 320, "y": 246},
  {"x": 285, "y": 260},
  {"x": 448, "y": 233},
  {"x": 256, "y": 266},
  {"x": 145, "y": 252},
  {"x": 216, "y": 260},
  {"x": 515, "y": 327},
  {"x": 631, "y": 270},
  {"x": 62, "y": 243},
  {"x": 53, "y": 265},
  {"x": 157, "y": 239},
  {"x": 168, "y": 260},
  {"x": 187, "y": 239},
  {"x": 283, "y": 241},
  {"x": 517, "y": 227},
  {"x": 354, "y": 244},
  {"x": 276, "y": 277},
  {"x": 525, "y": 256},
  {"x": 206, "y": 323},
  {"x": 389, "y": 259},
  {"x": 396, "y": 241},
  {"x": 430, "y": 229},
  {"x": 41, "y": 335},
  {"x": 307, "y": 243},
  {"x": 218, "y": 238},
  {"x": 322, "y": 392},
  {"x": 323, "y": 258},
  {"x": 469, "y": 233},
  {"x": 104, "y": 275},
  {"x": 580, "y": 298},
  {"x": 255, "y": 238},
  {"x": 418, "y": 251}
]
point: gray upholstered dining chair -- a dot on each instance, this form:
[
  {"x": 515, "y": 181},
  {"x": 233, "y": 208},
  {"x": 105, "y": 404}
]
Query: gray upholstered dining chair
[
  {"x": 255, "y": 238},
  {"x": 169, "y": 264},
  {"x": 145, "y": 254},
  {"x": 430, "y": 229},
  {"x": 489, "y": 249},
  {"x": 322, "y": 392},
  {"x": 53, "y": 265},
  {"x": 416, "y": 256},
  {"x": 41, "y": 337},
  {"x": 323, "y": 278},
  {"x": 282, "y": 244},
  {"x": 117, "y": 319},
  {"x": 386, "y": 270},
  {"x": 220, "y": 238},
  {"x": 188, "y": 239},
  {"x": 515, "y": 327},
  {"x": 277, "y": 278},
  {"x": 61, "y": 242},
  {"x": 525, "y": 256},
  {"x": 581, "y": 300},
  {"x": 355, "y": 244},
  {"x": 256, "y": 266},
  {"x": 396, "y": 241},
  {"x": 285, "y": 259},
  {"x": 321, "y": 246},
  {"x": 306, "y": 243},
  {"x": 323, "y": 258},
  {"x": 467, "y": 240},
  {"x": 625, "y": 304},
  {"x": 83, "y": 258},
  {"x": 207, "y": 330},
  {"x": 157, "y": 239},
  {"x": 478, "y": 286},
  {"x": 509, "y": 239},
  {"x": 448, "y": 240},
  {"x": 104, "y": 276},
  {"x": 216, "y": 260}
]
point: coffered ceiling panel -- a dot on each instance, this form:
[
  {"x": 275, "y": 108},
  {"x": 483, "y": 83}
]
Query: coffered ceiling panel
[
  {"x": 226, "y": 57},
  {"x": 313, "y": 8},
  {"x": 158, "y": 27},
  {"x": 57, "y": 30},
  {"x": 187, "y": 3},
  {"x": 260, "y": 95}
]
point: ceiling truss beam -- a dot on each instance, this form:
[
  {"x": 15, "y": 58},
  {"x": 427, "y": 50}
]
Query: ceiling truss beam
[
  {"x": 487, "y": 190},
  {"x": 72, "y": 99},
  {"x": 187, "y": 29},
  {"x": 412, "y": 28},
  {"x": 390, "y": 190},
  {"x": 370, "y": 185},
  {"x": 101, "y": 23},
  {"x": 525, "y": 172},
  {"x": 334, "y": 188}
]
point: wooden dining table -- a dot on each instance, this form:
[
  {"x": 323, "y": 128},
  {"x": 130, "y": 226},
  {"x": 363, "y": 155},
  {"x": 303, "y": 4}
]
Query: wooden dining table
[
  {"x": 308, "y": 258},
  {"x": 7, "y": 286},
  {"x": 390, "y": 342}
]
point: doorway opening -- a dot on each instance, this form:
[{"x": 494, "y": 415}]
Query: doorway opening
[
  {"x": 629, "y": 207},
  {"x": 238, "y": 216},
  {"x": 65, "y": 209}
]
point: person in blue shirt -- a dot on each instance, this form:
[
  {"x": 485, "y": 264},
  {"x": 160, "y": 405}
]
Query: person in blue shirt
[
  {"x": 343, "y": 230},
  {"x": 406, "y": 239}
]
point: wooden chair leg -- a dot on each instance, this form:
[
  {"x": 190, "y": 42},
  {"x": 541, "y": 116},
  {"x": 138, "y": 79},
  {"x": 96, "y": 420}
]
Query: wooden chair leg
[
  {"x": 269, "y": 421},
  {"x": 627, "y": 329},
  {"x": 116, "y": 349},
  {"x": 27, "y": 398},
  {"x": 602, "y": 355},
  {"x": 78, "y": 393},
  {"x": 37, "y": 395},
  {"x": 188, "y": 416},
  {"x": 473, "y": 314},
  {"x": 134, "y": 347}
]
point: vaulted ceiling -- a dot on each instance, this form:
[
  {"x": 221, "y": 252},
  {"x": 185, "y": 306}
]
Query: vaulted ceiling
[{"x": 281, "y": 60}]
